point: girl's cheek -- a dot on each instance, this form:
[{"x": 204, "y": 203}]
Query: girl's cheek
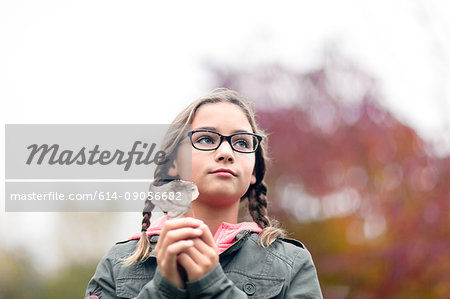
[
  {"x": 186, "y": 172},
  {"x": 184, "y": 162}
]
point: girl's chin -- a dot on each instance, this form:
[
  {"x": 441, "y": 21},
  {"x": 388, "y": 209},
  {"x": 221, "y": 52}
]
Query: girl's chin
[{"x": 218, "y": 200}]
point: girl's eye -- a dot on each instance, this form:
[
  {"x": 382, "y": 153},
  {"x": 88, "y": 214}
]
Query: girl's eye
[
  {"x": 241, "y": 143},
  {"x": 205, "y": 140}
]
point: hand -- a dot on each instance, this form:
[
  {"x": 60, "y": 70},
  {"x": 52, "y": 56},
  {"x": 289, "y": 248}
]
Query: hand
[
  {"x": 201, "y": 258},
  {"x": 176, "y": 237}
]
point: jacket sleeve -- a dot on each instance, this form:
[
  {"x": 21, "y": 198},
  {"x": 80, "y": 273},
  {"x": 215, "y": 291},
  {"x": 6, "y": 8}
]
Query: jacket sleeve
[
  {"x": 304, "y": 282},
  {"x": 102, "y": 284},
  {"x": 214, "y": 284}
]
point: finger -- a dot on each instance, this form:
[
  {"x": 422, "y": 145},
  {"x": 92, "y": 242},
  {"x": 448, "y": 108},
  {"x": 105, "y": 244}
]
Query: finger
[
  {"x": 179, "y": 223},
  {"x": 176, "y": 235},
  {"x": 168, "y": 257},
  {"x": 202, "y": 247},
  {"x": 167, "y": 261},
  {"x": 206, "y": 259},
  {"x": 207, "y": 236},
  {"x": 195, "y": 254},
  {"x": 197, "y": 264},
  {"x": 182, "y": 234},
  {"x": 208, "y": 254},
  {"x": 192, "y": 269},
  {"x": 179, "y": 247}
]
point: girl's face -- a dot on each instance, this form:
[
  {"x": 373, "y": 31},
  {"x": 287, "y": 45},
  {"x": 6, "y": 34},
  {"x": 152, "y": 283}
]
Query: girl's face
[{"x": 218, "y": 188}]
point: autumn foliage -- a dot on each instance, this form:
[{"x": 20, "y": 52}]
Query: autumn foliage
[{"x": 361, "y": 189}]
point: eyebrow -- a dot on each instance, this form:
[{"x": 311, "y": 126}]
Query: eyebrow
[{"x": 215, "y": 129}]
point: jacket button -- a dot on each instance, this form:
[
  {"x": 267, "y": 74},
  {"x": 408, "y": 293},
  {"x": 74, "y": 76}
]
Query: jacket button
[{"x": 249, "y": 288}]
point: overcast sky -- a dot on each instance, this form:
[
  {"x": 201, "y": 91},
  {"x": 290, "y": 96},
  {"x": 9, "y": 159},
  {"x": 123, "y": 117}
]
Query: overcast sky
[{"x": 136, "y": 61}]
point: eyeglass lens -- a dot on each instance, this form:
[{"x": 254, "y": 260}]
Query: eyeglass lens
[{"x": 211, "y": 140}]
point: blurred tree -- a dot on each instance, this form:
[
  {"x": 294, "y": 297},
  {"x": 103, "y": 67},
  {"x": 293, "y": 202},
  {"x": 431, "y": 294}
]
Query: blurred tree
[
  {"x": 78, "y": 246},
  {"x": 20, "y": 279},
  {"x": 69, "y": 282},
  {"x": 362, "y": 190}
]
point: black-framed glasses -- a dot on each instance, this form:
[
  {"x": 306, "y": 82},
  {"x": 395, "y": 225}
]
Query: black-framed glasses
[{"x": 209, "y": 140}]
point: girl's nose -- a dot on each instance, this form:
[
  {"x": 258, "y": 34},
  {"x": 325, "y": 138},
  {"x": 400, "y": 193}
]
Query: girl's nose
[{"x": 225, "y": 152}]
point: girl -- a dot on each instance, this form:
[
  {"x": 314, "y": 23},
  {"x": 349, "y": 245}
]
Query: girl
[{"x": 208, "y": 254}]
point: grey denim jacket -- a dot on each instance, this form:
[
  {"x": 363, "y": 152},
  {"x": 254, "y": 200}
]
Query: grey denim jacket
[{"x": 246, "y": 270}]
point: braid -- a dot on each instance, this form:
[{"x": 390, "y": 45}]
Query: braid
[
  {"x": 143, "y": 246},
  {"x": 147, "y": 214},
  {"x": 257, "y": 205}
]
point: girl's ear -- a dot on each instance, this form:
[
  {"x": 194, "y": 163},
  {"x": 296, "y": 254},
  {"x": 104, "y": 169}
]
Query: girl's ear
[
  {"x": 253, "y": 178},
  {"x": 173, "y": 169}
]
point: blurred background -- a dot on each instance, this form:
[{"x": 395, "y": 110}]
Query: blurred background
[{"x": 355, "y": 97}]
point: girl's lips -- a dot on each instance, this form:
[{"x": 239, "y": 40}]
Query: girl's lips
[{"x": 223, "y": 172}]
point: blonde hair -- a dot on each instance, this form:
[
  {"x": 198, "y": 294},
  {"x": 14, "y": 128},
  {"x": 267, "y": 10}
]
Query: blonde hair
[{"x": 256, "y": 193}]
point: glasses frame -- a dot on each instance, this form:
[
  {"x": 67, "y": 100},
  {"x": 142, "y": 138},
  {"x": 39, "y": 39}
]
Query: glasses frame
[{"x": 222, "y": 137}]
